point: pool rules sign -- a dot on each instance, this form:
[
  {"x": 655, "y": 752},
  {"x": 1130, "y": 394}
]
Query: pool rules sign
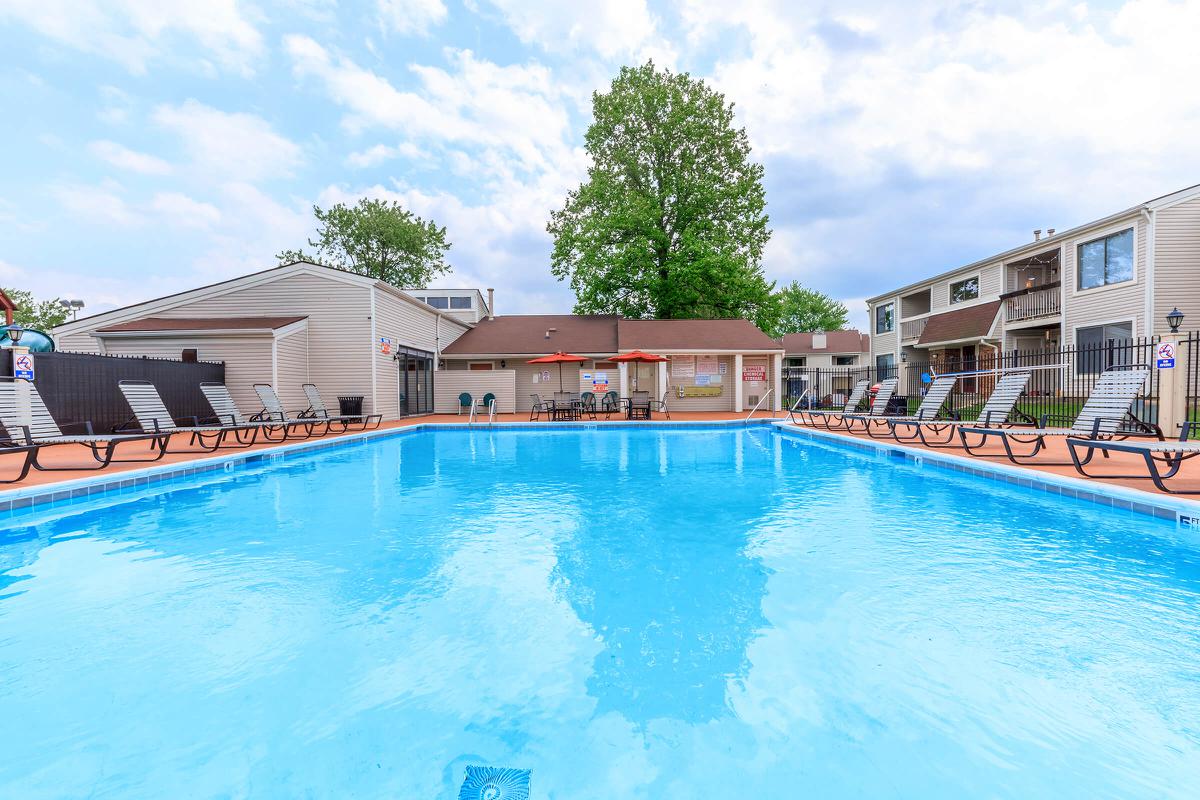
[
  {"x": 1165, "y": 355},
  {"x": 23, "y": 367}
]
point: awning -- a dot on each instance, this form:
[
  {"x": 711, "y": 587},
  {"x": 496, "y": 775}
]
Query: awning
[{"x": 961, "y": 325}]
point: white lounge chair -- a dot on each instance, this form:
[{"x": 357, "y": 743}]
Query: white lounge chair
[
  {"x": 929, "y": 409},
  {"x": 318, "y": 409},
  {"x": 825, "y": 418},
  {"x": 227, "y": 412},
  {"x": 997, "y": 411},
  {"x": 273, "y": 411},
  {"x": 152, "y": 417},
  {"x": 879, "y": 404},
  {"x": 1170, "y": 455}
]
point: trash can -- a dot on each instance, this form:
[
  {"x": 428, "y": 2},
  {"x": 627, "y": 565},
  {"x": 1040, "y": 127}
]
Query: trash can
[{"x": 350, "y": 405}]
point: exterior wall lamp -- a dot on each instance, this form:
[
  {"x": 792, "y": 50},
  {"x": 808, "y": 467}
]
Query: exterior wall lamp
[
  {"x": 15, "y": 331},
  {"x": 903, "y": 357},
  {"x": 1175, "y": 319}
]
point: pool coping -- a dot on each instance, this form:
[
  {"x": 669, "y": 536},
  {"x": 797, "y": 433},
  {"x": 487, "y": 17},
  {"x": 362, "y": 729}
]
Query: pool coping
[
  {"x": 26, "y": 497},
  {"x": 1183, "y": 511}
]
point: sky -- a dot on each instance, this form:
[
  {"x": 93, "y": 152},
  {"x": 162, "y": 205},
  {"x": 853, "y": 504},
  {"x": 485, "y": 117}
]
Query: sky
[{"x": 157, "y": 145}]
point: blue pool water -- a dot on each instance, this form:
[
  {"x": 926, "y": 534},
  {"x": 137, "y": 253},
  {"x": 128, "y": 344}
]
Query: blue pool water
[{"x": 629, "y": 614}]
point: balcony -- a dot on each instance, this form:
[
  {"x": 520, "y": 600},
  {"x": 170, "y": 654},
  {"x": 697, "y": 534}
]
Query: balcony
[
  {"x": 912, "y": 328},
  {"x": 1033, "y": 303}
]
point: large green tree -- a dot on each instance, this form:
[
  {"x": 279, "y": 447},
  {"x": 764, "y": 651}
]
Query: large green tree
[
  {"x": 40, "y": 314},
  {"x": 379, "y": 239},
  {"x": 800, "y": 309},
  {"x": 671, "y": 221}
]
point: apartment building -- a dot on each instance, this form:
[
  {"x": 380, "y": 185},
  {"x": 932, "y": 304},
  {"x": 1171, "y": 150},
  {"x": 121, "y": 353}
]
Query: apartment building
[
  {"x": 846, "y": 348},
  {"x": 1114, "y": 278},
  {"x": 465, "y": 305}
]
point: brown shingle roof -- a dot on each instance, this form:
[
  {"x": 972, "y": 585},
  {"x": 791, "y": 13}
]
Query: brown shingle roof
[
  {"x": 653, "y": 335},
  {"x": 849, "y": 341},
  {"x": 972, "y": 322},
  {"x": 201, "y": 324},
  {"x": 525, "y": 334}
]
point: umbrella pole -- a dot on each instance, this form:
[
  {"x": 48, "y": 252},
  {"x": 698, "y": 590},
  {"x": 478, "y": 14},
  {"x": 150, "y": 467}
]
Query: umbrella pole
[{"x": 560, "y": 383}]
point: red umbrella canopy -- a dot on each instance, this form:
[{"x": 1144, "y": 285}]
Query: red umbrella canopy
[
  {"x": 638, "y": 355},
  {"x": 559, "y": 358}
]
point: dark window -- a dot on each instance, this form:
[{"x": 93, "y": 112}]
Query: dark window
[
  {"x": 460, "y": 302},
  {"x": 961, "y": 291},
  {"x": 438, "y": 302},
  {"x": 845, "y": 361},
  {"x": 1106, "y": 261},
  {"x": 189, "y": 356},
  {"x": 885, "y": 366},
  {"x": 1103, "y": 346},
  {"x": 885, "y": 318}
]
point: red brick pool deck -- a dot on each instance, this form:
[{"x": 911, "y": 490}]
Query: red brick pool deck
[{"x": 1188, "y": 479}]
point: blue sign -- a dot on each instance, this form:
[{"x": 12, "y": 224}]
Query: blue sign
[
  {"x": 1165, "y": 363},
  {"x": 926, "y": 378},
  {"x": 23, "y": 367},
  {"x": 1165, "y": 355}
]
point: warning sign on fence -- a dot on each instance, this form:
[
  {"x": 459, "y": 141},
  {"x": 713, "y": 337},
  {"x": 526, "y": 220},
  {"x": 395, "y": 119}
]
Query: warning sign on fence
[
  {"x": 23, "y": 367},
  {"x": 1164, "y": 355}
]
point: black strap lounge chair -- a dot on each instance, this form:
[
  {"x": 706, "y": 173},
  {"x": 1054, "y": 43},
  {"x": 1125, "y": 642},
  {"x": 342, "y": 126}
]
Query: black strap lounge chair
[
  {"x": 25, "y": 453},
  {"x": 661, "y": 405},
  {"x": 879, "y": 405},
  {"x": 29, "y": 424},
  {"x": 317, "y": 408},
  {"x": 273, "y": 411},
  {"x": 228, "y": 413},
  {"x": 151, "y": 416},
  {"x": 1105, "y": 415},
  {"x": 610, "y": 404},
  {"x": 930, "y": 408},
  {"x": 539, "y": 407},
  {"x": 1170, "y": 455},
  {"x": 825, "y": 418},
  {"x": 998, "y": 411}
]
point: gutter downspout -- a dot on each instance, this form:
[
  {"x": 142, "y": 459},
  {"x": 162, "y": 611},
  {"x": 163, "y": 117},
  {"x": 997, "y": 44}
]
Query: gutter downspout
[{"x": 1148, "y": 325}]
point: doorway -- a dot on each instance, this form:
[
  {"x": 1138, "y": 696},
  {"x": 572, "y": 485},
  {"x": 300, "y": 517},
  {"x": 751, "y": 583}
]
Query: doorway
[{"x": 415, "y": 381}]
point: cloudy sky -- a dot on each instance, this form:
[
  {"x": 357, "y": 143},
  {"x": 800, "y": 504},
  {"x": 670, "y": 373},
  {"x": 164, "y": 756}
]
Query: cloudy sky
[{"x": 153, "y": 145}]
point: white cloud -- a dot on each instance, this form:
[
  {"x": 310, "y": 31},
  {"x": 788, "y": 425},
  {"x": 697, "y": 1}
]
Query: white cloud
[
  {"x": 135, "y": 32},
  {"x": 100, "y": 205},
  {"x": 120, "y": 156},
  {"x": 181, "y": 211},
  {"x": 380, "y": 153},
  {"x": 612, "y": 29},
  {"x": 410, "y": 16},
  {"x": 235, "y": 145}
]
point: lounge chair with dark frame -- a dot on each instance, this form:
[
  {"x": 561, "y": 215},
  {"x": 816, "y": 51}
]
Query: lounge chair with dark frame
[
  {"x": 273, "y": 411},
  {"x": 824, "y": 418},
  {"x": 538, "y": 408},
  {"x": 317, "y": 408},
  {"x": 151, "y": 416},
  {"x": 998, "y": 411},
  {"x": 1170, "y": 454},
  {"x": 930, "y": 409},
  {"x": 884, "y": 391},
  {"x": 226, "y": 411},
  {"x": 29, "y": 423},
  {"x": 27, "y": 453},
  {"x": 1105, "y": 415}
]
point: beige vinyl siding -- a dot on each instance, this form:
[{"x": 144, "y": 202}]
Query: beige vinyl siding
[
  {"x": 78, "y": 343},
  {"x": 1177, "y": 264},
  {"x": 407, "y": 325},
  {"x": 722, "y": 403},
  {"x": 248, "y": 358},
  {"x": 1107, "y": 304},
  {"x": 449, "y": 384},
  {"x": 525, "y": 385},
  {"x": 291, "y": 369},
  {"x": 991, "y": 283},
  {"x": 885, "y": 342}
]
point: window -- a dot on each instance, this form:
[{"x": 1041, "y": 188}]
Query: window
[
  {"x": 885, "y": 318},
  {"x": 438, "y": 302},
  {"x": 961, "y": 291},
  {"x": 845, "y": 361},
  {"x": 885, "y": 366},
  {"x": 1103, "y": 346},
  {"x": 460, "y": 302},
  {"x": 481, "y": 366},
  {"x": 1106, "y": 261},
  {"x": 801, "y": 361}
]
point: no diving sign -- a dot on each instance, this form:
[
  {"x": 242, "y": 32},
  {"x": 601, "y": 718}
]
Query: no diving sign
[
  {"x": 1164, "y": 355},
  {"x": 23, "y": 367}
]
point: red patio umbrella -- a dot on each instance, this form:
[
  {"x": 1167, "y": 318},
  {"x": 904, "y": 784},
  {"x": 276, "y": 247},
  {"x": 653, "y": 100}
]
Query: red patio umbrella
[
  {"x": 559, "y": 358},
  {"x": 637, "y": 357}
]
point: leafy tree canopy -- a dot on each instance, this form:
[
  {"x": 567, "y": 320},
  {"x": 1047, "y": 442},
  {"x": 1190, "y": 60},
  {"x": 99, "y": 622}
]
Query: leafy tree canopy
[
  {"x": 671, "y": 220},
  {"x": 378, "y": 239},
  {"x": 798, "y": 309},
  {"x": 40, "y": 314}
]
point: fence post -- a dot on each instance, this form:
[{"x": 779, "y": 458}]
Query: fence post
[{"x": 1172, "y": 388}]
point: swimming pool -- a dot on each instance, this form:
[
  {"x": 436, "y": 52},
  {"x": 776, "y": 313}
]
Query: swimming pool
[{"x": 630, "y": 613}]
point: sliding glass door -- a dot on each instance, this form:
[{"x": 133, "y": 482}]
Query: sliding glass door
[{"x": 416, "y": 381}]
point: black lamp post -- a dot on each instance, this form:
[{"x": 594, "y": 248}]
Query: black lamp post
[
  {"x": 1175, "y": 319},
  {"x": 903, "y": 357}
]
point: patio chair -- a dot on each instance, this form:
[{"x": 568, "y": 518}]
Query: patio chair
[
  {"x": 661, "y": 405},
  {"x": 565, "y": 406},
  {"x": 464, "y": 401},
  {"x": 227, "y": 412},
  {"x": 26, "y": 451},
  {"x": 997, "y": 411},
  {"x": 639, "y": 405},
  {"x": 1102, "y": 417},
  {"x": 587, "y": 404},
  {"x": 317, "y": 408},
  {"x": 610, "y": 404},
  {"x": 488, "y": 400},
  {"x": 273, "y": 411},
  {"x": 879, "y": 405},
  {"x": 930, "y": 408},
  {"x": 1170, "y": 454},
  {"x": 825, "y": 418},
  {"x": 151, "y": 416},
  {"x": 29, "y": 423},
  {"x": 538, "y": 408}
]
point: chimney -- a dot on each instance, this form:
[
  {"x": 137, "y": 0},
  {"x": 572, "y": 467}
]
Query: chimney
[
  {"x": 491, "y": 306},
  {"x": 1049, "y": 232},
  {"x": 1037, "y": 235}
]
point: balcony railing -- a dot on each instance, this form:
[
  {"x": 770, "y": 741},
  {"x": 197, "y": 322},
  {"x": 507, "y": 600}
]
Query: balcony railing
[
  {"x": 913, "y": 328},
  {"x": 1033, "y": 303}
]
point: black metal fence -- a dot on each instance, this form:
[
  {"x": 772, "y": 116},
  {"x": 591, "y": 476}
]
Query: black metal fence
[
  {"x": 80, "y": 387},
  {"x": 1060, "y": 381},
  {"x": 1188, "y": 357}
]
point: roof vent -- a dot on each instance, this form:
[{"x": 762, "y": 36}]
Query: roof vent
[
  {"x": 550, "y": 331},
  {"x": 1037, "y": 234},
  {"x": 491, "y": 304},
  {"x": 1049, "y": 232}
]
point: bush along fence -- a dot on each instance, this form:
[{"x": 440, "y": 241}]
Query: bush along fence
[
  {"x": 1060, "y": 382},
  {"x": 82, "y": 387}
]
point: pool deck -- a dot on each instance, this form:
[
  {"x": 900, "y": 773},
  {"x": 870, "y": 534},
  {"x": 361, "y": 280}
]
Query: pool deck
[{"x": 43, "y": 482}]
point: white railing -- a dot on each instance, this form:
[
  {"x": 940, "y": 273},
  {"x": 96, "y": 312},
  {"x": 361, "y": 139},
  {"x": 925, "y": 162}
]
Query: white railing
[
  {"x": 1040, "y": 303},
  {"x": 491, "y": 413},
  {"x": 913, "y": 328},
  {"x": 760, "y": 402},
  {"x": 471, "y": 416},
  {"x": 795, "y": 405}
]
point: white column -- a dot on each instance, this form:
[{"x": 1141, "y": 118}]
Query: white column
[
  {"x": 777, "y": 362},
  {"x": 737, "y": 383},
  {"x": 623, "y": 378},
  {"x": 662, "y": 379}
]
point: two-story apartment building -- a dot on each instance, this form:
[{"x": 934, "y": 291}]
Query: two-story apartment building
[
  {"x": 845, "y": 348},
  {"x": 1114, "y": 278}
]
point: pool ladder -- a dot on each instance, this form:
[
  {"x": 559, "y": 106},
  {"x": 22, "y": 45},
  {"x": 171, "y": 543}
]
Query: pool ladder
[
  {"x": 491, "y": 414},
  {"x": 760, "y": 402}
]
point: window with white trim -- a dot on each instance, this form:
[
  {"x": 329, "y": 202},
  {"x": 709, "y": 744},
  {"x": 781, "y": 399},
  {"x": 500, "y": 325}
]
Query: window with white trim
[
  {"x": 964, "y": 290},
  {"x": 1106, "y": 261},
  {"x": 460, "y": 303},
  {"x": 885, "y": 318}
]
